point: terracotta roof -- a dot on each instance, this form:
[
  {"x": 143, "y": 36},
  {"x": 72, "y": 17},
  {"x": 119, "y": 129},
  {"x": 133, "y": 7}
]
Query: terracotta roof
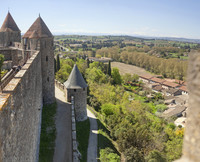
[
  {"x": 146, "y": 76},
  {"x": 157, "y": 80},
  {"x": 75, "y": 80},
  {"x": 157, "y": 88},
  {"x": 170, "y": 84},
  {"x": 183, "y": 88},
  {"x": 40, "y": 27},
  {"x": 179, "y": 81},
  {"x": 172, "y": 90},
  {"x": 9, "y": 24},
  {"x": 177, "y": 110}
]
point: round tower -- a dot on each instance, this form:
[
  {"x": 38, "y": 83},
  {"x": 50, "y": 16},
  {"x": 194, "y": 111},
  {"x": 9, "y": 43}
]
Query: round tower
[
  {"x": 38, "y": 37},
  {"x": 9, "y": 32},
  {"x": 77, "y": 89}
]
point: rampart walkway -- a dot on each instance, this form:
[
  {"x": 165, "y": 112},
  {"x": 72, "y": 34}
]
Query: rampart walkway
[{"x": 63, "y": 146}]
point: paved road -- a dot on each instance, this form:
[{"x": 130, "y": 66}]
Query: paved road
[
  {"x": 63, "y": 147},
  {"x": 92, "y": 146},
  {"x": 66, "y": 49}
]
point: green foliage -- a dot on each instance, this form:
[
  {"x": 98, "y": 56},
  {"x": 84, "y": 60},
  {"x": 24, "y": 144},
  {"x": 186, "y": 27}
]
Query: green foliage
[
  {"x": 83, "y": 132},
  {"x": 94, "y": 74},
  {"x": 116, "y": 76},
  {"x": 48, "y": 133},
  {"x": 1, "y": 60},
  {"x": 134, "y": 155},
  {"x": 161, "y": 107},
  {"x": 1, "y": 63},
  {"x": 108, "y": 155},
  {"x": 155, "y": 156},
  {"x": 108, "y": 109}
]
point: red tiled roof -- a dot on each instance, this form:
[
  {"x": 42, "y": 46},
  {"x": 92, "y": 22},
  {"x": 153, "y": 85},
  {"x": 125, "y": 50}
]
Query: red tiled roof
[
  {"x": 157, "y": 80},
  {"x": 183, "y": 88},
  {"x": 170, "y": 84},
  {"x": 157, "y": 88},
  {"x": 40, "y": 28},
  {"x": 179, "y": 81},
  {"x": 9, "y": 24},
  {"x": 146, "y": 76}
]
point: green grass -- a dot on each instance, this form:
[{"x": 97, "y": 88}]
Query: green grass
[
  {"x": 83, "y": 132},
  {"x": 48, "y": 133}
]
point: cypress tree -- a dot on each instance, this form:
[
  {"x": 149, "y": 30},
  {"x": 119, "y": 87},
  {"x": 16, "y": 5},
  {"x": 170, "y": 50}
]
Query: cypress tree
[
  {"x": 109, "y": 68},
  {"x": 55, "y": 66},
  {"x": 58, "y": 63},
  {"x": 88, "y": 63}
]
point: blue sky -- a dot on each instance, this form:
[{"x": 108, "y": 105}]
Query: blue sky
[{"x": 173, "y": 18}]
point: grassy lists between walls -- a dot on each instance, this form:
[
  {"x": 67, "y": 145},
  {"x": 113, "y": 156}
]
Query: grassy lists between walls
[{"x": 48, "y": 133}]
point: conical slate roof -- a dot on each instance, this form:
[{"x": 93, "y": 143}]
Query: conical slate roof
[
  {"x": 34, "y": 35},
  {"x": 40, "y": 28},
  {"x": 75, "y": 80},
  {"x": 9, "y": 24}
]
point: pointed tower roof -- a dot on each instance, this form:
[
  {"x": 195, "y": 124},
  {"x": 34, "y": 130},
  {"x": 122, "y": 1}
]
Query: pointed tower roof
[
  {"x": 75, "y": 80},
  {"x": 40, "y": 28},
  {"x": 9, "y": 24}
]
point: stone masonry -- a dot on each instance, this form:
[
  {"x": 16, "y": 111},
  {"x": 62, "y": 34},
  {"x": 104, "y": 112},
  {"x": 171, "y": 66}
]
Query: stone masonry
[{"x": 22, "y": 99}]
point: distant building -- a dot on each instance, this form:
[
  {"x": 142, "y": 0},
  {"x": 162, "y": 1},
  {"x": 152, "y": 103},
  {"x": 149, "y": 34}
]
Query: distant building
[
  {"x": 102, "y": 59},
  {"x": 76, "y": 89}
]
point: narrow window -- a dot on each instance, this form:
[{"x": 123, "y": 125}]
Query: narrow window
[
  {"x": 74, "y": 90},
  {"x": 46, "y": 58},
  {"x": 83, "y": 89},
  {"x": 48, "y": 79}
]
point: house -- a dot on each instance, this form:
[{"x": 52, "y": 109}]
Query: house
[
  {"x": 180, "y": 121},
  {"x": 173, "y": 92},
  {"x": 157, "y": 88},
  {"x": 184, "y": 90},
  {"x": 145, "y": 78},
  {"x": 168, "y": 85},
  {"x": 156, "y": 80},
  {"x": 177, "y": 111}
]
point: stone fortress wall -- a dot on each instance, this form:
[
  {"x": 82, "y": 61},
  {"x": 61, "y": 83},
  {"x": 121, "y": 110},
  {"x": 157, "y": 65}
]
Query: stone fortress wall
[
  {"x": 80, "y": 102},
  {"x": 20, "y": 113}
]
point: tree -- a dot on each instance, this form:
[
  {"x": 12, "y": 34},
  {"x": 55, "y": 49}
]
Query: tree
[
  {"x": 55, "y": 66},
  {"x": 116, "y": 76},
  {"x": 58, "y": 62},
  {"x": 1, "y": 63},
  {"x": 109, "y": 68}
]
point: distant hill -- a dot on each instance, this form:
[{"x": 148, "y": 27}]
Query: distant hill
[{"x": 124, "y": 37}]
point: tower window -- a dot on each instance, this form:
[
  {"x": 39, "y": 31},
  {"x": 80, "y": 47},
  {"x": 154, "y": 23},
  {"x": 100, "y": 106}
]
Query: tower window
[
  {"x": 46, "y": 58},
  {"x": 74, "y": 90},
  {"x": 48, "y": 79},
  {"x": 83, "y": 89}
]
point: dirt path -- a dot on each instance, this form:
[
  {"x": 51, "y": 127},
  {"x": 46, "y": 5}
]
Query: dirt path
[
  {"x": 126, "y": 68},
  {"x": 92, "y": 146},
  {"x": 63, "y": 146}
]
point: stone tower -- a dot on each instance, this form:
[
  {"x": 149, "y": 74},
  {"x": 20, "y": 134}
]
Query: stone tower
[
  {"x": 77, "y": 87},
  {"x": 9, "y": 32},
  {"x": 38, "y": 37}
]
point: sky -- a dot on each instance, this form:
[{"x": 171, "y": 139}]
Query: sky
[{"x": 158, "y": 18}]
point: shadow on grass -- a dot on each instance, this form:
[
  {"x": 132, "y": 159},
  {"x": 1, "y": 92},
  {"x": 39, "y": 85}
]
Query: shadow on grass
[{"x": 104, "y": 139}]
